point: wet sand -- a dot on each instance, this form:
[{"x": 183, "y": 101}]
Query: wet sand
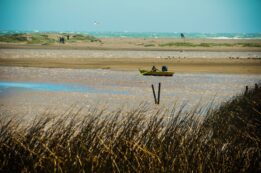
[
  {"x": 130, "y": 54},
  {"x": 132, "y": 90},
  {"x": 201, "y": 74},
  {"x": 179, "y": 62}
]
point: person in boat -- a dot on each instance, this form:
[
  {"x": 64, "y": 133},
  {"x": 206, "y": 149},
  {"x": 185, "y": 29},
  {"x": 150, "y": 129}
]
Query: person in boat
[
  {"x": 164, "y": 68},
  {"x": 154, "y": 69}
]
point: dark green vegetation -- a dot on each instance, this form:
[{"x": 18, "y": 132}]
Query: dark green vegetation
[
  {"x": 46, "y": 38},
  {"x": 188, "y": 44},
  {"x": 40, "y": 39},
  {"x": 149, "y": 45},
  {"x": 27, "y": 38},
  {"x": 13, "y": 38},
  {"x": 80, "y": 37},
  {"x": 185, "y": 44},
  {"x": 226, "y": 140}
]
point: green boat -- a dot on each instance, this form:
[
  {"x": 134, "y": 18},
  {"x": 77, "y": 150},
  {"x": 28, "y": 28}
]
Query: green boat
[{"x": 156, "y": 73}]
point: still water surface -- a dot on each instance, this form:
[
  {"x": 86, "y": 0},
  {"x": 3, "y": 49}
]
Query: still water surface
[
  {"x": 53, "y": 87},
  {"x": 34, "y": 89}
]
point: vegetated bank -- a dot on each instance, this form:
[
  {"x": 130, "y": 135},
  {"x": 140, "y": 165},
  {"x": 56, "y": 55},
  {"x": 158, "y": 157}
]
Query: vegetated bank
[
  {"x": 46, "y": 38},
  {"x": 228, "y": 139}
]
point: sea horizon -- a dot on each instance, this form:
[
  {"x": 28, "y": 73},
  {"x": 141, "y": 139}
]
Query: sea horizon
[{"x": 126, "y": 34}]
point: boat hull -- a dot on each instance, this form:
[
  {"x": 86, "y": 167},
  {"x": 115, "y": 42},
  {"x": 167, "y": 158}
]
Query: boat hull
[{"x": 156, "y": 73}]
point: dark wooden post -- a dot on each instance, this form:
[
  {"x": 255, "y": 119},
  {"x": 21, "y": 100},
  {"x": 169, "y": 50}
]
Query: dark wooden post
[
  {"x": 153, "y": 90},
  {"x": 246, "y": 91},
  {"x": 256, "y": 87},
  {"x": 159, "y": 93}
]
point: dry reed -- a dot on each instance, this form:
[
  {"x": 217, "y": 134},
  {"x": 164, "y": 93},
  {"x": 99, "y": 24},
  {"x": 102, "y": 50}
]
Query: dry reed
[{"x": 227, "y": 139}]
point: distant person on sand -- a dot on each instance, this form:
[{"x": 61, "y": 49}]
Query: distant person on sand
[
  {"x": 182, "y": 37},
  {"x": 61, "y": 40}
]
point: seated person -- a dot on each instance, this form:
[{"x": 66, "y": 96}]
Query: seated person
[
  {"x": 154, "y": 69},
  {"x": 164, "y": 68}
]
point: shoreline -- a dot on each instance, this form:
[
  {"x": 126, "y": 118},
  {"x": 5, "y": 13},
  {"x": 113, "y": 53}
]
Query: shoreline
[
  {"x": 187, "y": 65},
  {"x": 131, "y": 49},
  {"x": 131, "y": 54},
  {"x": 146, "y": 44}
]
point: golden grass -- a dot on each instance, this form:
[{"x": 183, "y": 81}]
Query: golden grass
[{"x": 227, "y": 139}]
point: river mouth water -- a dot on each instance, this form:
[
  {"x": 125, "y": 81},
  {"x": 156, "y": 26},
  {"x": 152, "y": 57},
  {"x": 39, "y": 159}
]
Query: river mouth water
[
  {"x": 45, "y": 53},
  {"x": 29, "y": 91},
  {"x": 4, "y": 85}
]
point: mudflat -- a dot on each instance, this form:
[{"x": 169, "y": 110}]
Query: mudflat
[
  {"x": 131, "y": 54},
  {"x": 188, "y": 65}
]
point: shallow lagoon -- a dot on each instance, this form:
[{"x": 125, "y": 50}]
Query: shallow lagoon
[
  {"x": 44, "y": 53},
  {"x": 4, "y": 85},
  {"x": 58, "y": 89}
]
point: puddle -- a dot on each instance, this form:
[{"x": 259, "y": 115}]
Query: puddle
[{"x": 54, "y": 87}]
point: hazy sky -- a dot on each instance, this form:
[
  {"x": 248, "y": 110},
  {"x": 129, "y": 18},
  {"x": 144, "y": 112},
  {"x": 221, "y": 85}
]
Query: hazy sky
[{"x": 132, "y": 15}]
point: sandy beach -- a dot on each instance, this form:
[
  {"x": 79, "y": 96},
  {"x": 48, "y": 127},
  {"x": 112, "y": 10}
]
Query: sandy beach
[
  {"x": 188, "y": 65},
  {"x": 130, "y": 54},
  {"x": 201, "y": 73}
]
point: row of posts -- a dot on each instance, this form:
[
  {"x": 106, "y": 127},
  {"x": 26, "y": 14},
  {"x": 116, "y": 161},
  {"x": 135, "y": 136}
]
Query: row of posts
[
  {"x": 246, "y": 91},
  {"x": 157, "y": 98}
]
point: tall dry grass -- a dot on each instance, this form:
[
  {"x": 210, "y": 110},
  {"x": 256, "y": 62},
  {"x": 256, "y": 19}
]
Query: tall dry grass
[{"x": 227, "y": 139}]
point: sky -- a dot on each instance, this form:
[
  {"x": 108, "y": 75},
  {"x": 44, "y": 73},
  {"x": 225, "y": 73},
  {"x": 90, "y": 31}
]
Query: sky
[{"x": 205, "y": 16}]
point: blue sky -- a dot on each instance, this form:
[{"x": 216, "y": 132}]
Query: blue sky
[{"x": 210, "y": 16}]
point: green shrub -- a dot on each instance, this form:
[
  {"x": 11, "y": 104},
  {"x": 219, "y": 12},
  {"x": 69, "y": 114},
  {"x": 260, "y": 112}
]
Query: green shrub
[
  {"x": 13, "y": 38},
  {"x": 178, "y": 44},
  {"x": 205, "y": 44},
  {"x": 81, "y": 37},
  {"x": 249, "y": 44},
  {"x": 149, "y": 45}
]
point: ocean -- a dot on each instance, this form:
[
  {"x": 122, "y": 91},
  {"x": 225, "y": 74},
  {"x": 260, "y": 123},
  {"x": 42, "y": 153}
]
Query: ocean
[
  {"x": 153, "y": 34},
  {"x": 177, "y": 35}
]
